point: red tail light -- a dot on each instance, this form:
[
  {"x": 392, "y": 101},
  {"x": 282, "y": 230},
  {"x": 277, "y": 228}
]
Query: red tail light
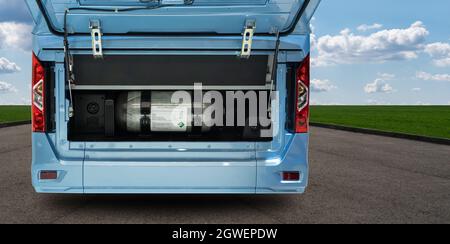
[
  {"x": 38, "y": 95},
  {"x": 302, "y": 98}
]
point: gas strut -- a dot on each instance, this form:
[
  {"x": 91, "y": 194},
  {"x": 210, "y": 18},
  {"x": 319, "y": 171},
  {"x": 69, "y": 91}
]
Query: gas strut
[
  {"x": 273, "y": 79},
  {"x": 70, "y": 77}
]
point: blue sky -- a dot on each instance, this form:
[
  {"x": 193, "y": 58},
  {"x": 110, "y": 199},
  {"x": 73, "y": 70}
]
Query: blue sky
[
  {"x": 382, "y": 52},
  {"x": 365, "y": 52}
]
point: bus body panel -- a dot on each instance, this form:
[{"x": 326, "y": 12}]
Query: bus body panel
[{"x": 211, "y": 167}]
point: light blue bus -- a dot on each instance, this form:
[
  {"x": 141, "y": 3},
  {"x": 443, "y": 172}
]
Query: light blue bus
[{"x": 170, "y": 96}]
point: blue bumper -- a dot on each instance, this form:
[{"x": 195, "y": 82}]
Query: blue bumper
[{"x": 85, "y": 175}]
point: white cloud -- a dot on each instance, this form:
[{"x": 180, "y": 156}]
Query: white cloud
[
  {"x": 416, "y": 89},
  {"x": 321, "y": 85},
  {"x": 6, "y": 87},
  {"x": 365, "y": 27},
  {"x": 380, "y": 84},
  {"x": 440, "y": 52},
  {"x": 432, "y": 77},
  {"x": 7, "y": 66},
  {"x": 384, "y": 45},
  {"x": 386, "y": 76},
  {"x": 15, "y": 36}
]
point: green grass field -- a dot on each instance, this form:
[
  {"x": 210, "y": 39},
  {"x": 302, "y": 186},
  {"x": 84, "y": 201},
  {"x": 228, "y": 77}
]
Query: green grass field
[
  {"x": 14, "y": 113},
  {"x": 431, "y": 121}
]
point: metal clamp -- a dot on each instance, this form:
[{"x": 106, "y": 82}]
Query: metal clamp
[
  {"x": 96, "y": 34},
  {"x": 247, "y": 39}
]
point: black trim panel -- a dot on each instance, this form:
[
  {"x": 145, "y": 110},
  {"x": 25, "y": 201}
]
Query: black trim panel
[{"x": 171, "y": 70}]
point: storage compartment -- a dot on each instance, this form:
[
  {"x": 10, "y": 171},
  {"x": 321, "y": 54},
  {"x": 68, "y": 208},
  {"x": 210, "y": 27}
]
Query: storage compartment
[
  {"x": 152, "y": 116},
  {"x": 130, "y": 97}
]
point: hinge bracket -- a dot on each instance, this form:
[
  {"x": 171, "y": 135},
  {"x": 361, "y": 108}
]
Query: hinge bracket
[
  {"x": 96, "y": 35},
  {"x": 247, "y": 40}
]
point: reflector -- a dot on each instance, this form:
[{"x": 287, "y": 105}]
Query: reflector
[
  {"x": 48, "y": 175},
  {"x": 291, "y": 176}
]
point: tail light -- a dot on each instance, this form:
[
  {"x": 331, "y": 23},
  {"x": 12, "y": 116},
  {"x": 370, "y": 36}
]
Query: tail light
[
  {"x": 38, "y": 95},
  {"x": 302, "y": 97}
]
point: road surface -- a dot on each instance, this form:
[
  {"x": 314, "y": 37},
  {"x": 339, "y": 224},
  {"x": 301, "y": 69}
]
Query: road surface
[{"x": 355, "y": 178}]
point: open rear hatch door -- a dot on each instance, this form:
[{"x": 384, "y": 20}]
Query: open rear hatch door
[{"x": 176, "y": 16}]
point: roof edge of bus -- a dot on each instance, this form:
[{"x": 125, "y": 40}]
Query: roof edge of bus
[{"x": 307, "y": 5}]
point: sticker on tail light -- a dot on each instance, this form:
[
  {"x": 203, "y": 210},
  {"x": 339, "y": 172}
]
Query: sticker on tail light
[{"x": 38, "y": 95}]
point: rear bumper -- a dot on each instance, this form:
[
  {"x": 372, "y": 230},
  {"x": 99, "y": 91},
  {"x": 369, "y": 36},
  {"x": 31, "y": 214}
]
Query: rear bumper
[{"x": 82, "y": 176}]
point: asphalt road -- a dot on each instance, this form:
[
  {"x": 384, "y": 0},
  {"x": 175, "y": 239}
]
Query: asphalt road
[{"x": 355, "y": 178}]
